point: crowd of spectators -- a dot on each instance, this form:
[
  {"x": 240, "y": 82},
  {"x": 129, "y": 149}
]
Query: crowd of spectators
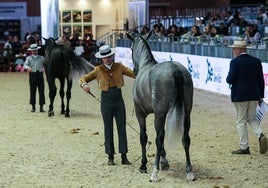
[
  {"x": 14, "y": 51},
  {"x": 212, "y": 28}
]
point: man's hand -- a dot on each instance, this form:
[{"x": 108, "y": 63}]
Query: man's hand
[{"x": 86, "y": 88}]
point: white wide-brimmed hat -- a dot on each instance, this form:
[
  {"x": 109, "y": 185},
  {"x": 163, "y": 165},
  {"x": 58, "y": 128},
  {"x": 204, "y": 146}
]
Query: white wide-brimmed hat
[
  {"x": 105, "y": 51},
  {"x": 34, "y": 47},
  {"x": 239, "y": 43}
]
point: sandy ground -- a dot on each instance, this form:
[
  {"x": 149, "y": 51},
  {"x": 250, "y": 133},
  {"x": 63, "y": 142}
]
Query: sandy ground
[{"x": 38, "y": 151}]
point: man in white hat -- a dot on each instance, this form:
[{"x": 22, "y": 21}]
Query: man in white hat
[
  {"x": 35, "y": 65},
  {"x": 110, "y": 80},
  {"x": 246, "y": 81}
]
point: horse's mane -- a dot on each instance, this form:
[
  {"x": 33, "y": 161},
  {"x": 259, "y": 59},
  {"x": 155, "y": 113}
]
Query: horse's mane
[{"x": 144, "y": 39}]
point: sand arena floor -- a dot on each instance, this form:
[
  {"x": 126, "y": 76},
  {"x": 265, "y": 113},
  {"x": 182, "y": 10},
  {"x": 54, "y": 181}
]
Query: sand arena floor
[{"x": 38, "y": 151}]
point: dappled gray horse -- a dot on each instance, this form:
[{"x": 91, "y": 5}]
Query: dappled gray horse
[
  {"x": 165, "y": 89},
  {"x": 62, "y": 63}
]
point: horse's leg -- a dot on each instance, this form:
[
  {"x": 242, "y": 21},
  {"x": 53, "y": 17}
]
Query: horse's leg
[
  {"x": 141, "y": 117},
  {"x": 159, "y": 123},
  {"x": 62, "y": 83},
  {"x": 68, "y": 96},
  {"x": 52, "y": 94},
  {"x": 186, "y": 141},
  {"x": 163, "y": 161}
]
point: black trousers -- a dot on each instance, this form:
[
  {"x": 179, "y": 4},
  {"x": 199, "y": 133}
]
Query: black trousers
[
  {"x": 113, "y": 106},
  {"x": 36, "y": 80}
]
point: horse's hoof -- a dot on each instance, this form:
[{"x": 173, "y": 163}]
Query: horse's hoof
[
  {"x": 50, "y": 114},
  {"x": 154, "y": 176},
  {"x": 143, "y": 170},
  {"x": 190, "y": 176},
  {"x": 67, "y": 115},
  {"x": 164, "y": 165}
]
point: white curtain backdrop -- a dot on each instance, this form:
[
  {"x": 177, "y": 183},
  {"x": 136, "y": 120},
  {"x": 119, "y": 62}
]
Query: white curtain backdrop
[{"x": 50, "y": 18}]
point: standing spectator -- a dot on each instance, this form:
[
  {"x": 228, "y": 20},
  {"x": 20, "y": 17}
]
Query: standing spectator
[
  {"x": 246, "y": 80},
  {"x": 34, "y": 64},
  {"x": 16, "y": 45},
  {"x": 63, "y": 40},
  {"x": 80, "y": 50},
  {"x": 74, "y": 41},
  {"x": 8, "y": 46},
  {"x": 110, "y": 80}
]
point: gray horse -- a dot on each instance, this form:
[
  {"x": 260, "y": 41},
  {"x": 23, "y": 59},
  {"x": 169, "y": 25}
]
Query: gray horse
[{"x": 165, "y": 89}]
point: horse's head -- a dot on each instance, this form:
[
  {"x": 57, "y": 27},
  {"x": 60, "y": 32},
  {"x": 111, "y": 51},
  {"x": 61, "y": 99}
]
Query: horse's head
[
  {"x": 139, "y": 49},
  {"x": 49, "y": 44}
]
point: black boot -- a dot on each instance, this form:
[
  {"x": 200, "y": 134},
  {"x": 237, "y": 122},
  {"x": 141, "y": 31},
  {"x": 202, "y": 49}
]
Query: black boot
[
  {"x": 33, "y": 108},
  {"x": 111, "y": 159},
  {"x": 125, "y": 160},
  {"x": 42, "y": 109}
]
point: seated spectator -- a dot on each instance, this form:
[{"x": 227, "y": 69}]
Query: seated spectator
[
  {"x": 195, "y": 31},
  {"x": 215, "y": 35},
  {"x": 162, "y": 31},
  {"x": 181, "y": 30},
  {"x": 155, "y": 33},
  {"x": 19, "y": 61},
  {"x": 238, "y": 20},
  {"x": 228, "y": 18},
  {"x": 145, "y": 29},
  {"x": 207, "y": 19},
  {"x": 174, "y": 35},
  {"x": 207, "y": 33},
  {"x": 262, "y": 17},
  {"x": 223, "y": 29},
  {"x": 252, "y": 35}
]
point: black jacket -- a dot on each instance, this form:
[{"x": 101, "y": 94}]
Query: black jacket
[{"x": 245, "y": 77}]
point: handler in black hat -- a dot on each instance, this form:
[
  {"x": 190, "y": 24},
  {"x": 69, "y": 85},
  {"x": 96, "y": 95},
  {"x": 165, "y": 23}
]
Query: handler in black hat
[
  {"x": 110, "y": 80},
  {"x": 34, "y": 65}
]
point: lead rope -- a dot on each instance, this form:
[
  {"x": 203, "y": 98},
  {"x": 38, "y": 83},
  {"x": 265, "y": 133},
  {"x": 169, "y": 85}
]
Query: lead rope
[{"x": 149, "y": 142}]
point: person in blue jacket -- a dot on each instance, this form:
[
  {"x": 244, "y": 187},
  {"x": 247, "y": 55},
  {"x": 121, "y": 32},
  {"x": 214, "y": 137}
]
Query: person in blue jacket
[{"x": 246, "y": 81}]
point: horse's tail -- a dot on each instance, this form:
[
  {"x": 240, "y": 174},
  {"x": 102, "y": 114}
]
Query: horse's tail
[
  {"x": 180, "y": 108},
  {"x": 79, "y": 66}
]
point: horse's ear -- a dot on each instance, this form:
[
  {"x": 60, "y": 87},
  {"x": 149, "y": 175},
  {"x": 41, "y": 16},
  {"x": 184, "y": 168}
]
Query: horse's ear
[
  {"x": 148, "y": 35},
  {"x": 130, "y": 37},
  {"x": 44, "y": 38}
]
